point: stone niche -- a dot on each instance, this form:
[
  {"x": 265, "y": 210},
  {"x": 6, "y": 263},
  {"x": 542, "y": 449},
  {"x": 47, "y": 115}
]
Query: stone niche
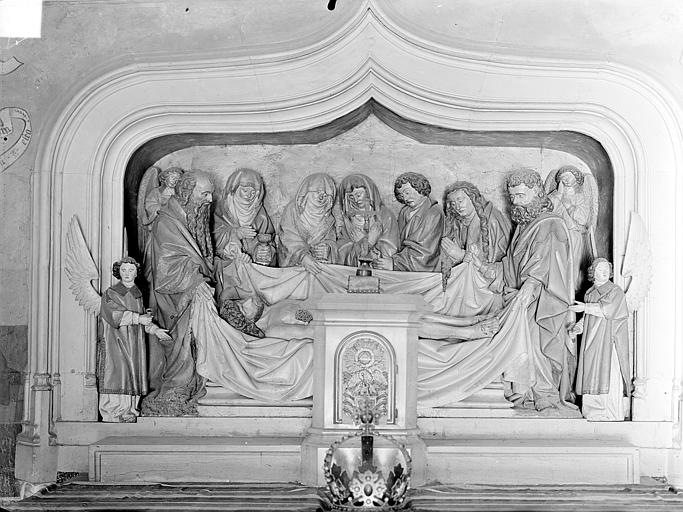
[
  {"x": 377, "y": 97},
  {"x": 375, "y": 141}
]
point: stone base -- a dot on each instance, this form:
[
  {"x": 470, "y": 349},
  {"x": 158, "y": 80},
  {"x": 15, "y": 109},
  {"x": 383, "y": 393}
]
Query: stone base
[
  {"x": 198, "y": 459},
  {"x": 471, "y": 461},
  {"x": 219, "y": 402}
]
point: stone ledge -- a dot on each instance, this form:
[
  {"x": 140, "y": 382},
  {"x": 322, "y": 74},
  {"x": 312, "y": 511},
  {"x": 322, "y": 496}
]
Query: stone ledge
[
  {"x": 195, "y": 459},
  {"x": 483, "y": 461}
]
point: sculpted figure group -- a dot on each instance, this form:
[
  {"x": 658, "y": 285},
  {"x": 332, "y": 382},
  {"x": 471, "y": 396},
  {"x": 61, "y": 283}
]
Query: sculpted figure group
[{"x": 527, "y": 266}]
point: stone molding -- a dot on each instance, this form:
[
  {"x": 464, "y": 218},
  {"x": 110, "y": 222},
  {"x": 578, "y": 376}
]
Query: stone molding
[{"x": 375, "y": 54}]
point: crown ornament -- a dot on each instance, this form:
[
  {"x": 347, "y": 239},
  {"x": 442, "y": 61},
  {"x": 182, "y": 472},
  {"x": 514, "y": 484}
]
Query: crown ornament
[{"x": 366, "y": 486}]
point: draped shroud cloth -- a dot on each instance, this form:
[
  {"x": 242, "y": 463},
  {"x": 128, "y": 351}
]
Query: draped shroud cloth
[
  {"x": 122, "y": 353},
  {"x": 177, "y": 268},
  {"x": 276, "y": 369}
]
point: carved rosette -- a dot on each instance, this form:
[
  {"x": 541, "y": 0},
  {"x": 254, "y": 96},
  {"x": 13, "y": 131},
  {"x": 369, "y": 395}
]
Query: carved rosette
[{"x": 365, "y": 372}]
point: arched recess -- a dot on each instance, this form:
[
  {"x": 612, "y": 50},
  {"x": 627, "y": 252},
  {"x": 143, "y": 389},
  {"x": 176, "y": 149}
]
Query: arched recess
[{"x": 81, "y": 167}]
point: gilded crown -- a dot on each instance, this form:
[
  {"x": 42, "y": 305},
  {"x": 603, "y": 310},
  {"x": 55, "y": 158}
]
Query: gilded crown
[{"x": 353, "y": 486}]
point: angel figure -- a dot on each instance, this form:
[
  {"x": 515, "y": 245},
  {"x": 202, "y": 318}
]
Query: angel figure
[
  {"x": 156, "y": 188},
  {"x": 574, "y": 195},
  {"x": 121, "y": 345}
]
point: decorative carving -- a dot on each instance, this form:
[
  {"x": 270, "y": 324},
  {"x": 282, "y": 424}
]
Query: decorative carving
[
  {"x": 364, "y": 370},
  {"x": 9, "y": 66},
  {"x": 18, "y": 146},
  {"x": 42, "y": 382}
]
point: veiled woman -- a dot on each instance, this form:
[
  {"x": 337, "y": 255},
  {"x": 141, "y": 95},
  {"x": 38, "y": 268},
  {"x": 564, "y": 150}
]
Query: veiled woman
[
  {"x": 368, "y": 227},
  {"x": 242, "y": 228},
  {"x": 307, "y": 234}
]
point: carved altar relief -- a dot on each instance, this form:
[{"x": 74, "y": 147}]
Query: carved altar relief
[{"x": 364, "y": 368}]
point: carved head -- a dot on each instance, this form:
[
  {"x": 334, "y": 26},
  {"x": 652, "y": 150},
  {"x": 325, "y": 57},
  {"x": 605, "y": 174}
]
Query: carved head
[
  {"x": 246, "y": 184},
  {"x": 410, "y": 188},
  {"x": 169, "y": 177},
  {"x": 317, "y": 192},
  {"x": 194, "y": 191},
  {"x": 358, "y": 192},
  {"x": 461, "y": 200},
  {"x": 126, "y": 270},
  {"x": 600, "y": 271},
  {"x": 569, "y": 176},
  {"x": 527, "y": 195},
  {"x": 194, "y": 186}
]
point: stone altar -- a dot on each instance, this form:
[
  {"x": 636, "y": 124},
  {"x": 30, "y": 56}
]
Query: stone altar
[{"x": 364, "y": 341}]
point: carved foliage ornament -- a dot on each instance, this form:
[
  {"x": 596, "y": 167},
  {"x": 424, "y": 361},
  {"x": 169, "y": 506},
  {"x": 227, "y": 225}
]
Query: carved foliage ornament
[{"x": 364, "y": 372}]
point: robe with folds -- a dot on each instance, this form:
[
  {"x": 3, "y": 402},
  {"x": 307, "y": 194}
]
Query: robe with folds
[
  {"x": 499, "y": 228},
  {"x": 386, "y": 245},
  {"x": 121, "y": 354},
  {"x": 601, "y": 337},
  {"x": 420, "y": 231},
  {"x": 176, "y": 268},
  {"x": 295, "y": 241},
  {"x": 225, "y": 235},
  {"x": 575, "y": 209},
  {"x": 540, "y": 253}
]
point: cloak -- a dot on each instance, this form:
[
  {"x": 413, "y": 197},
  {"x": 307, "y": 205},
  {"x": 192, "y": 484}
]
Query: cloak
[
  {"x": 177, "y": 268},
  {"x": 600, "y": 337},
  {"x": 121, "y": 352},
  {"x": 420, "y": 238}
]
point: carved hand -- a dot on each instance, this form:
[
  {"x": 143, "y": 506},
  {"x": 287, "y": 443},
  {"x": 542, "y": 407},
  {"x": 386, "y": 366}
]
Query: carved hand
[
  {"x": 383, "y": 263},
  {"x": 311, "y": 264},
  {"x": 242, "y": 257},
  {"x": 145, "y": 319},
  {"x": 489, "y": 327},
  {"x": 577, "y": 307},
  {"x": 577, "y": 328},
  {"x": 452, "y": 249},
  {"x": 374, "y": 233},
  {"x": 162, "y": 335},
  {"x": 246, "y": 232}
]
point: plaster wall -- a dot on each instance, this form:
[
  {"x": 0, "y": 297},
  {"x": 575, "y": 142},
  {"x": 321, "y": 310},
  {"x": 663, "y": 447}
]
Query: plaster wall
[
  {"x": 374, "y": 149},
  {"x": 84, "y": 39}
]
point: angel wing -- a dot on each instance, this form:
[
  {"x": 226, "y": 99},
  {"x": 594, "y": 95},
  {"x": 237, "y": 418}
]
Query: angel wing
[
  {"x": 81, "y": 269},
  {"x": 637, "y": 263},
  {"x": 550, "y": 182},
  {"x": 590, "y": 189},
  {"x": 150, "y": 181}
]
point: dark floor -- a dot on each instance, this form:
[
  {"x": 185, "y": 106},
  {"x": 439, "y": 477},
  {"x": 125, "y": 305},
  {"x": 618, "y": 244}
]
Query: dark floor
[{"x": 649, "y": 496}]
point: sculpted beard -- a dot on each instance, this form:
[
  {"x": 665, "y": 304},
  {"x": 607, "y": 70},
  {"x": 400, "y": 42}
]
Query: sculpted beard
[
  {"x": 198, "y": 219},
  {"x": 523, "y": 214}
]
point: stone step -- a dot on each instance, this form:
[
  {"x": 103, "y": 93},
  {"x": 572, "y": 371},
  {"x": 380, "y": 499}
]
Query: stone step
[
  {"x": 650, "y": 496},
  {"x": 482, "y": 461},
  {"x": 195, "y": 459}
]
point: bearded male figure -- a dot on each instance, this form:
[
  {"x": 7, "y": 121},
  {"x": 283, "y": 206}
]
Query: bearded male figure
[
  {"x": 243, "y": 230},
  {"x": 472, "y": 224},
  {"x": 537, "y": 280},
  {"x": 307, "y": 234},
  {"x": 420, "y": 225},
  {"x": 180, "y": 255},
  {"x": 368, "y": 227}
]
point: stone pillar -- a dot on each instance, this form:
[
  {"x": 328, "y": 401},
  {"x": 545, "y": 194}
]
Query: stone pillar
[{"x": 361, "y": 339}]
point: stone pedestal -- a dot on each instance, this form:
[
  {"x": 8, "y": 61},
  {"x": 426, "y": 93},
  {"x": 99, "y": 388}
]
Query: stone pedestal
[{"x": 364, "y": 344}]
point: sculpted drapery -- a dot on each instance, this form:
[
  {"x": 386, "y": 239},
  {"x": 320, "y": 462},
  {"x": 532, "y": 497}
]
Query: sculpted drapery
[
  {"x": 368, "y": 227},
  {"x": 603, "y": 376},
  {"x": 307, "y": 223},
  {"x": 539, "y": 257},
  {"x": 178, "y": 267},
  {"x": 420, "y": 232}
]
